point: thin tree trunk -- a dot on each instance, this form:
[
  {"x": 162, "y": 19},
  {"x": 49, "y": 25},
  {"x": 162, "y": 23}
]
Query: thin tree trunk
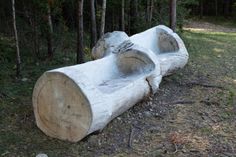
[
  {"x": 201, "y": 9},
  {"x": 226, "y": 8},
  {"x": 36, "y": 38},
  {"x": 216, "y": 7},
  {"x": 80, "y": 31},
  {"x": 103, "y": 18},
  {"x": 136, "y": 12},
  {"x": 32, "y": 25},
  {"x": 93, "y": 24},
  {"x": 147, "y": 10},
  {"x": 123, "y": 15},
  {"x": 173, "y": 15},
  {"x": 18, "y": 60},
  {"x": 129, "y": 16},
  {"x": 133, "y": 16},
  {"x": 151, "y": 13},
  {"x": 50, "y": 32},
  {"x": 113, "y": 21},
  {"x": 160, "y": 6}
]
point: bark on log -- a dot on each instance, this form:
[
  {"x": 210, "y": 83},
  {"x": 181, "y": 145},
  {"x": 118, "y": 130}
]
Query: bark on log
[{"x": 69, "y": 103}]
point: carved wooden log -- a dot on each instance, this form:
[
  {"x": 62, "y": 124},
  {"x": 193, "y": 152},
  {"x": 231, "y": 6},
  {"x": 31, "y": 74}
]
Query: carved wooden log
[{"x": 72, "y": 102}]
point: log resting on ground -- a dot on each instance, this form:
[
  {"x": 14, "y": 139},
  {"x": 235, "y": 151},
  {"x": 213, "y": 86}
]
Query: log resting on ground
[{"x": 72, "y": 102}]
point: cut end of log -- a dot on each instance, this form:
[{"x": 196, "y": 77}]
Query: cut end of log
[{"x": 61, "y": 109}]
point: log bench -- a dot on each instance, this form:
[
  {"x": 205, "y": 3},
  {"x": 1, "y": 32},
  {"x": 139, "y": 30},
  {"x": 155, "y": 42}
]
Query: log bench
[{"x": 72, "y": 102}]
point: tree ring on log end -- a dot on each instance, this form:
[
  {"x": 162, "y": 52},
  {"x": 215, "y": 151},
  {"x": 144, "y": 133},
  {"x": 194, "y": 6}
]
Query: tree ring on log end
[{"x": 61, "y": 109}]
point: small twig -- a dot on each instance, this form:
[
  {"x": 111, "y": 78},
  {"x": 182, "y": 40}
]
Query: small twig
[
  {"x": 176, "y": 149},
  {"x": 5, "y": 95},
  {"x": 202, "y": 85},
  {"x": 131, "y": 137},
  {"x": 180, "y": 102},
  {"x": 130, "y": 142}
]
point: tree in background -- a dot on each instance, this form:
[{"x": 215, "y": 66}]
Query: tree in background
[
  {"x": 18, "y": 60},
  {"x": 123, "y": 15},
  {"x": 201, "y": 8},
  {"x": 49, "y": 30},
  {"x": 80, "y": 32},
  {"x": 103, "y": 18},
  {"x": 216, "y": 7},
  {"x": 173, "y": 15},
  {"x": 93, "y": 23},
  {"x": 150, "y": 7},
  {"x": 133, "y": 15}
]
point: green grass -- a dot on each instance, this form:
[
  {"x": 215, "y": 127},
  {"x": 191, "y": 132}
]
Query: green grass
[
  {"x": 212, "y": 55},
  {"x": 212, "y": 52}
]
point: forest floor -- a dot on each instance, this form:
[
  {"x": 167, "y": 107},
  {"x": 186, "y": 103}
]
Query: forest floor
[{"x": 193, "y": 114}]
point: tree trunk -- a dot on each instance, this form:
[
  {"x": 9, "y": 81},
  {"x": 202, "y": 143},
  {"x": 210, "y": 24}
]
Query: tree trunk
[
  {"x": 123, "y": 15},
  {"x": 93, "y": 24},
  {"x": 133, "y": 16},
  {"x": 151, "y": 13},
  {"x": 103, "y": 18},
  {"x": 147, "y": 10},
  {"x": 216, "y": 7},
  {"x": 201, "y": 8},
  {"x": 173, "y": 15},
  {"x": 18, "y": 60},
  {"x": 136, "y": 11},
  {"x": 80, "y": 31},
  {"x": 35, "y": 37},
  {"x": 50, "y": 31},
  {"x": 128, "y": 16},
  {"x": 226, "y": 8}
]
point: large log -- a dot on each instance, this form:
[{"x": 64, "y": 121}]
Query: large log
[{"x": 72, "y": 102}]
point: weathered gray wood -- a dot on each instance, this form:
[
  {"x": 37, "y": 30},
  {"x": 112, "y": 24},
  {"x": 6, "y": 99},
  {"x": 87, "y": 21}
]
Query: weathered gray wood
[{"x": 72, "y": 102}]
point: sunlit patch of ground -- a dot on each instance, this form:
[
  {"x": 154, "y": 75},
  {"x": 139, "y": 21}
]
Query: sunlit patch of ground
[{"x": 203, "y": 26}]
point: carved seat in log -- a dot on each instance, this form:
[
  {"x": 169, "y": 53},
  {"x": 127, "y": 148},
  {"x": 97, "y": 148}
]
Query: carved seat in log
[{"x": 72, "y": 102}]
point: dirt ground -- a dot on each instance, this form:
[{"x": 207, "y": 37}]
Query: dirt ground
[{"x": 193, "y": 113}]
